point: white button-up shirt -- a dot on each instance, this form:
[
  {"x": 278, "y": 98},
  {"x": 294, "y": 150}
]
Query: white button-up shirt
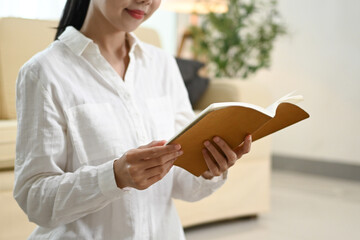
[{"x": 76, "y": 115}]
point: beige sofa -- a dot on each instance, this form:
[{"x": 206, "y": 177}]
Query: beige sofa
[{"x": 245, "y": 193}]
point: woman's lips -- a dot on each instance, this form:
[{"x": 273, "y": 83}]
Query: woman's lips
[{"x": 138, "y": 14}]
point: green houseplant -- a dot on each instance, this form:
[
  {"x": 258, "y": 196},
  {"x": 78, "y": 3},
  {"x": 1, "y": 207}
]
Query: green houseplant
[{"x": 239, "y": 42}]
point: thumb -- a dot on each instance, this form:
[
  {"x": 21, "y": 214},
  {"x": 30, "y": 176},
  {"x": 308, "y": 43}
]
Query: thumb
[{"x": 154, "y": 144}]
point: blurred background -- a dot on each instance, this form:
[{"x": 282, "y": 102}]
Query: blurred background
[{"x": 314, "y": 185}]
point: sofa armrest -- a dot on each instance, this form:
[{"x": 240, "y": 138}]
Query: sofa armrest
[
  {"x": 7, "y": 143},
  {"x": 14, "y": 223}
]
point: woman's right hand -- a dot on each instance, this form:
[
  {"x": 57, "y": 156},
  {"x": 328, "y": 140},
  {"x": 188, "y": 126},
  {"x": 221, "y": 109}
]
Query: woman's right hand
[{"x": 141, "y": 167}]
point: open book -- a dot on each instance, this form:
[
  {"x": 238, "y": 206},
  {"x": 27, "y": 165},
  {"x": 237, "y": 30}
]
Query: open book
[{"x": 232, "y": 121}]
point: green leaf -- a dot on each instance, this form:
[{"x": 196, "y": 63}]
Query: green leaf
[{"x": 239, "y": 42}]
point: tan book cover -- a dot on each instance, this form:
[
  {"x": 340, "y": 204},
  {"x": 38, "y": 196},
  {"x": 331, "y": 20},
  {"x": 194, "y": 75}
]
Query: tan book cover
[{"x": 232, "y": 121}]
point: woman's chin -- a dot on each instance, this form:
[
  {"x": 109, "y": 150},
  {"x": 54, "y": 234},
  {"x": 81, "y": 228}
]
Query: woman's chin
[{"x": 128, "y": 27}]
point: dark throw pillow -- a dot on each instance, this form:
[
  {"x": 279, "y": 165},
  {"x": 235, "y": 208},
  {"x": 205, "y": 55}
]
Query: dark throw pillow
[{"x": 195, "y": 84}]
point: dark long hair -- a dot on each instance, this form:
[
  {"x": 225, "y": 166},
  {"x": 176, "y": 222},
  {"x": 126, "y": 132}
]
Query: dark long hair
[{"x": 73, "y": 15}]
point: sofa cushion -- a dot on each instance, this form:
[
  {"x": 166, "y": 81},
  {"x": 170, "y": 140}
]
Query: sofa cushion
[{"x": 20, "y": 39}]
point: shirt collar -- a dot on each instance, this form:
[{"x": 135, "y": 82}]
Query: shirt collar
[{"x": 78, "y": 42}]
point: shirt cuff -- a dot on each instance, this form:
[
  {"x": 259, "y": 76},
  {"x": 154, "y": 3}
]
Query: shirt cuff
[{"x": 107, "y": 182}]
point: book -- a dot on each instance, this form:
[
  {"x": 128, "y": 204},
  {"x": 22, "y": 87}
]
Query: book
[{"x": 233, "y": 121}]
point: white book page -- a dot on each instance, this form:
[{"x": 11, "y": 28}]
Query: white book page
[{"x": 287, "y": 98}]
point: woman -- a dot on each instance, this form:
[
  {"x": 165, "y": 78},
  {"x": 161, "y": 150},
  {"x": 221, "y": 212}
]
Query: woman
[{"x": 87, "y": 107}]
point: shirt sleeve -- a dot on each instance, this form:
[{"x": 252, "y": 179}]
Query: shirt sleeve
[
  {"x": 185, "y": 185},
  {"x": 47, "y": 194}
]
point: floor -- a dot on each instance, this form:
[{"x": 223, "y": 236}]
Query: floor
[{"x": 303, "y": 207}]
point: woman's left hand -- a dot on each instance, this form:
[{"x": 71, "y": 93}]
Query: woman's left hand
[{"x": 220, "y": 162}]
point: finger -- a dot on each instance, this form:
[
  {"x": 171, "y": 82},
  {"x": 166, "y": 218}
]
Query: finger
[
  {"x": 213, "y": 167},
  {"x": 153, "y": 144},
  {"x": 154, "y": 162},
  {"x": 151, "y": 172},
  {"x": 218, "y": 157},
  {"x": 147, "y": 178},
  {"x": 229, "y": 153},
  {"x": 244, "y": 147},
  {"x": 158, "y": 177},
  {"x": 154, "y": 152},
  {"x": 207, "y": 175}
]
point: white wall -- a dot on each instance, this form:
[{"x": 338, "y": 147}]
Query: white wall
[
  {"x": 321, "y": 58},
  {"x": 164, "y": 23}
]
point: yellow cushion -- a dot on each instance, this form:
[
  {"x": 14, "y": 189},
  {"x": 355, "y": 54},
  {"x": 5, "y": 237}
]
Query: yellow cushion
[{"x": 20, "y": 39}]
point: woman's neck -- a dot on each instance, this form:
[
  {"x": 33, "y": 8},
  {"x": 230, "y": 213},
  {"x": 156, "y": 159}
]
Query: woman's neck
[
  {"x": 112, "y": 43},
  {"x": 101, "y": 31}
]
